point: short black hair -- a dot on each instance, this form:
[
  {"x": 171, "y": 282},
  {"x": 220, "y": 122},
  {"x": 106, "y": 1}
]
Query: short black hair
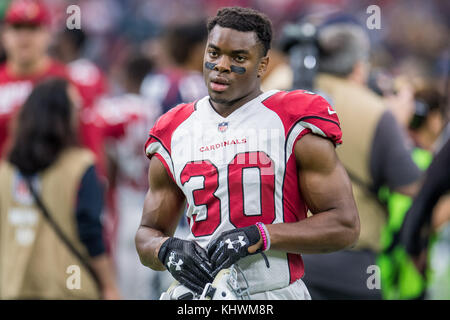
[{"x": 245, "y": 20}]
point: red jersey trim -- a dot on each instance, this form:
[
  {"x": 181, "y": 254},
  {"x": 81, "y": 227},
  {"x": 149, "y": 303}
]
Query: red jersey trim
[
  {"x": 163, "y": 130},
  {"x": 169, "y": 122},
  {"x": 297, "y": 106}
]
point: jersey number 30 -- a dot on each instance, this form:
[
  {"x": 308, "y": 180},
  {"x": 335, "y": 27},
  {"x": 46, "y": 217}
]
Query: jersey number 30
[{"x": 206, "y": 196}]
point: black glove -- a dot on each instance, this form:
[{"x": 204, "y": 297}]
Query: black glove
[
  {"x": 187, "y": 262},
  {"x": 231, "y": 246}
]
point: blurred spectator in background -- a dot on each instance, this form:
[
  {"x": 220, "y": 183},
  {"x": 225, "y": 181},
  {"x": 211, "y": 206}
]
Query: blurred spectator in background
[
  {"x": 279, "y": 75},
  {"x": 2, "y": 50},
  {"x": 92, "y": 85},
  {"x": 183, "y": 47},
  {"x": 426, "y": 231},
  {"x": 428, "y": 120},
  {"x": 127, "y": 119},
  {"x": 374, "y": 154},
  {"x": 25, "y": 38},
  {"x": 3, "y": 6},
  {"x": 90, "y": 80},
  {"x": 403, "y": 275},
  {"x": 400, "y": 278},
  {"x": 33, "y": 257}
]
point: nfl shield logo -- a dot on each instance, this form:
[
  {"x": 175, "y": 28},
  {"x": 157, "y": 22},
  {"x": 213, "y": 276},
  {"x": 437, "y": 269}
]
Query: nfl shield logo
[{"x": 223, "y": 126}]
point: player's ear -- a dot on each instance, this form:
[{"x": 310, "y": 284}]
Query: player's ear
[{"x": 263, "y": 66}]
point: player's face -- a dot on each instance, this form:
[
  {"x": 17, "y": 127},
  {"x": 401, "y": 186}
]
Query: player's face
[
  {"x": 233, "y": 63},
  {"x": 25, "y": 44}
]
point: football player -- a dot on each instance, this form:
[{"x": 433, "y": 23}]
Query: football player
[{"x": 249, "y": 164}]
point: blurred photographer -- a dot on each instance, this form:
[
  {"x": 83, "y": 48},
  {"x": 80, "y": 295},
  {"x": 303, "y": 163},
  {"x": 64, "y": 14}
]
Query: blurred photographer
[
  {"x": 406, "y": 275},
  {"x": 375, "y": 153},
  {"x": 428, "y": 120}
]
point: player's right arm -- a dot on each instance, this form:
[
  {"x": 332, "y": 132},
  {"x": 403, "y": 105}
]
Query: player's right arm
[
  {"x": 157, "y": 248},
  {"x": 186, "y": 260},
  {"x": 162, "y": 210}
]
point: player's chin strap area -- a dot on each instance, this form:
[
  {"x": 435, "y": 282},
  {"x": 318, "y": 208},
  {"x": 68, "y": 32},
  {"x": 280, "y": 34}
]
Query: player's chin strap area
[{"x": 229, "y": 284}]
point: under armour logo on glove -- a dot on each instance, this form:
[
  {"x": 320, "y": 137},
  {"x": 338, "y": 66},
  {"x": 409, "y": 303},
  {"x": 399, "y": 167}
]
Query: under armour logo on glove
[
  {"x": 173, "y": 263},
  {"x": 231, "y": 246},
  {"x": 236, "y": 244},
  {"x": 187, "y": 262}
]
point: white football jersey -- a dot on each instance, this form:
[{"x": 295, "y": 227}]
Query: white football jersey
[{"x": 239, "y": 170}]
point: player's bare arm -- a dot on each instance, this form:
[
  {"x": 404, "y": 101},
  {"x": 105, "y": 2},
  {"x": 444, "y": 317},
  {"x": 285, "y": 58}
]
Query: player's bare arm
[
  {"x": 327, "y": 191},
  {"x": 162, "y": 210},
  {"x": 158, "y": 249}
]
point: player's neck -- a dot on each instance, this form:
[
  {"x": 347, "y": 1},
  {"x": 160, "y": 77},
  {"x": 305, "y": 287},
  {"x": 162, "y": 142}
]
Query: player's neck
[
  {"x": 225, "y": 109},
  {"x": 29, "y": 69}
]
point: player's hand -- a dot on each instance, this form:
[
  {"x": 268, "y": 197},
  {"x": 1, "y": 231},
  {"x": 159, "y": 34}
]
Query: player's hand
[
  {"x": 233, "y": 245},
  {"x": 187, "y": 262}
]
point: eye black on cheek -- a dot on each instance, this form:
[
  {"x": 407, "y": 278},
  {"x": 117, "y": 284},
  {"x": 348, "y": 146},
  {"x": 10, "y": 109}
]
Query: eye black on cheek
[
  {"x": 210, "y": 65},
  {"x": 238, "y": 70}
]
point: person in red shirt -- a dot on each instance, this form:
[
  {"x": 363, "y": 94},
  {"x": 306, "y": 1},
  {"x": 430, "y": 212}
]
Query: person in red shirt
[
  {"x": 90, "y": 79},
  {"x": 91, "y": 83},
  {"x": 25, "y": 39}
]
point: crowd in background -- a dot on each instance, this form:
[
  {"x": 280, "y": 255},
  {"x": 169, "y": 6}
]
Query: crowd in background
[{"x": 132, "y": 60}]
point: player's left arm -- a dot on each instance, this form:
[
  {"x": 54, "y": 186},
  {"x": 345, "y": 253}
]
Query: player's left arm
[{"x": 327, "y": 191}]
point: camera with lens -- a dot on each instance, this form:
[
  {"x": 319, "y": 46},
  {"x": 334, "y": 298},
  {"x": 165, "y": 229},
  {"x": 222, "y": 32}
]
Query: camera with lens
[{"x": 299, "y": 42}]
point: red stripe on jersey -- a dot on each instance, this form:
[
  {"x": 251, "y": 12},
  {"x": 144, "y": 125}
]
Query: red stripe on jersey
[
  {"x": 169, "y": 122},
  {"x": 292, "y": 107},
  {"x": 275, "y": 103},
  {"x": 296, "y": 267}
]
